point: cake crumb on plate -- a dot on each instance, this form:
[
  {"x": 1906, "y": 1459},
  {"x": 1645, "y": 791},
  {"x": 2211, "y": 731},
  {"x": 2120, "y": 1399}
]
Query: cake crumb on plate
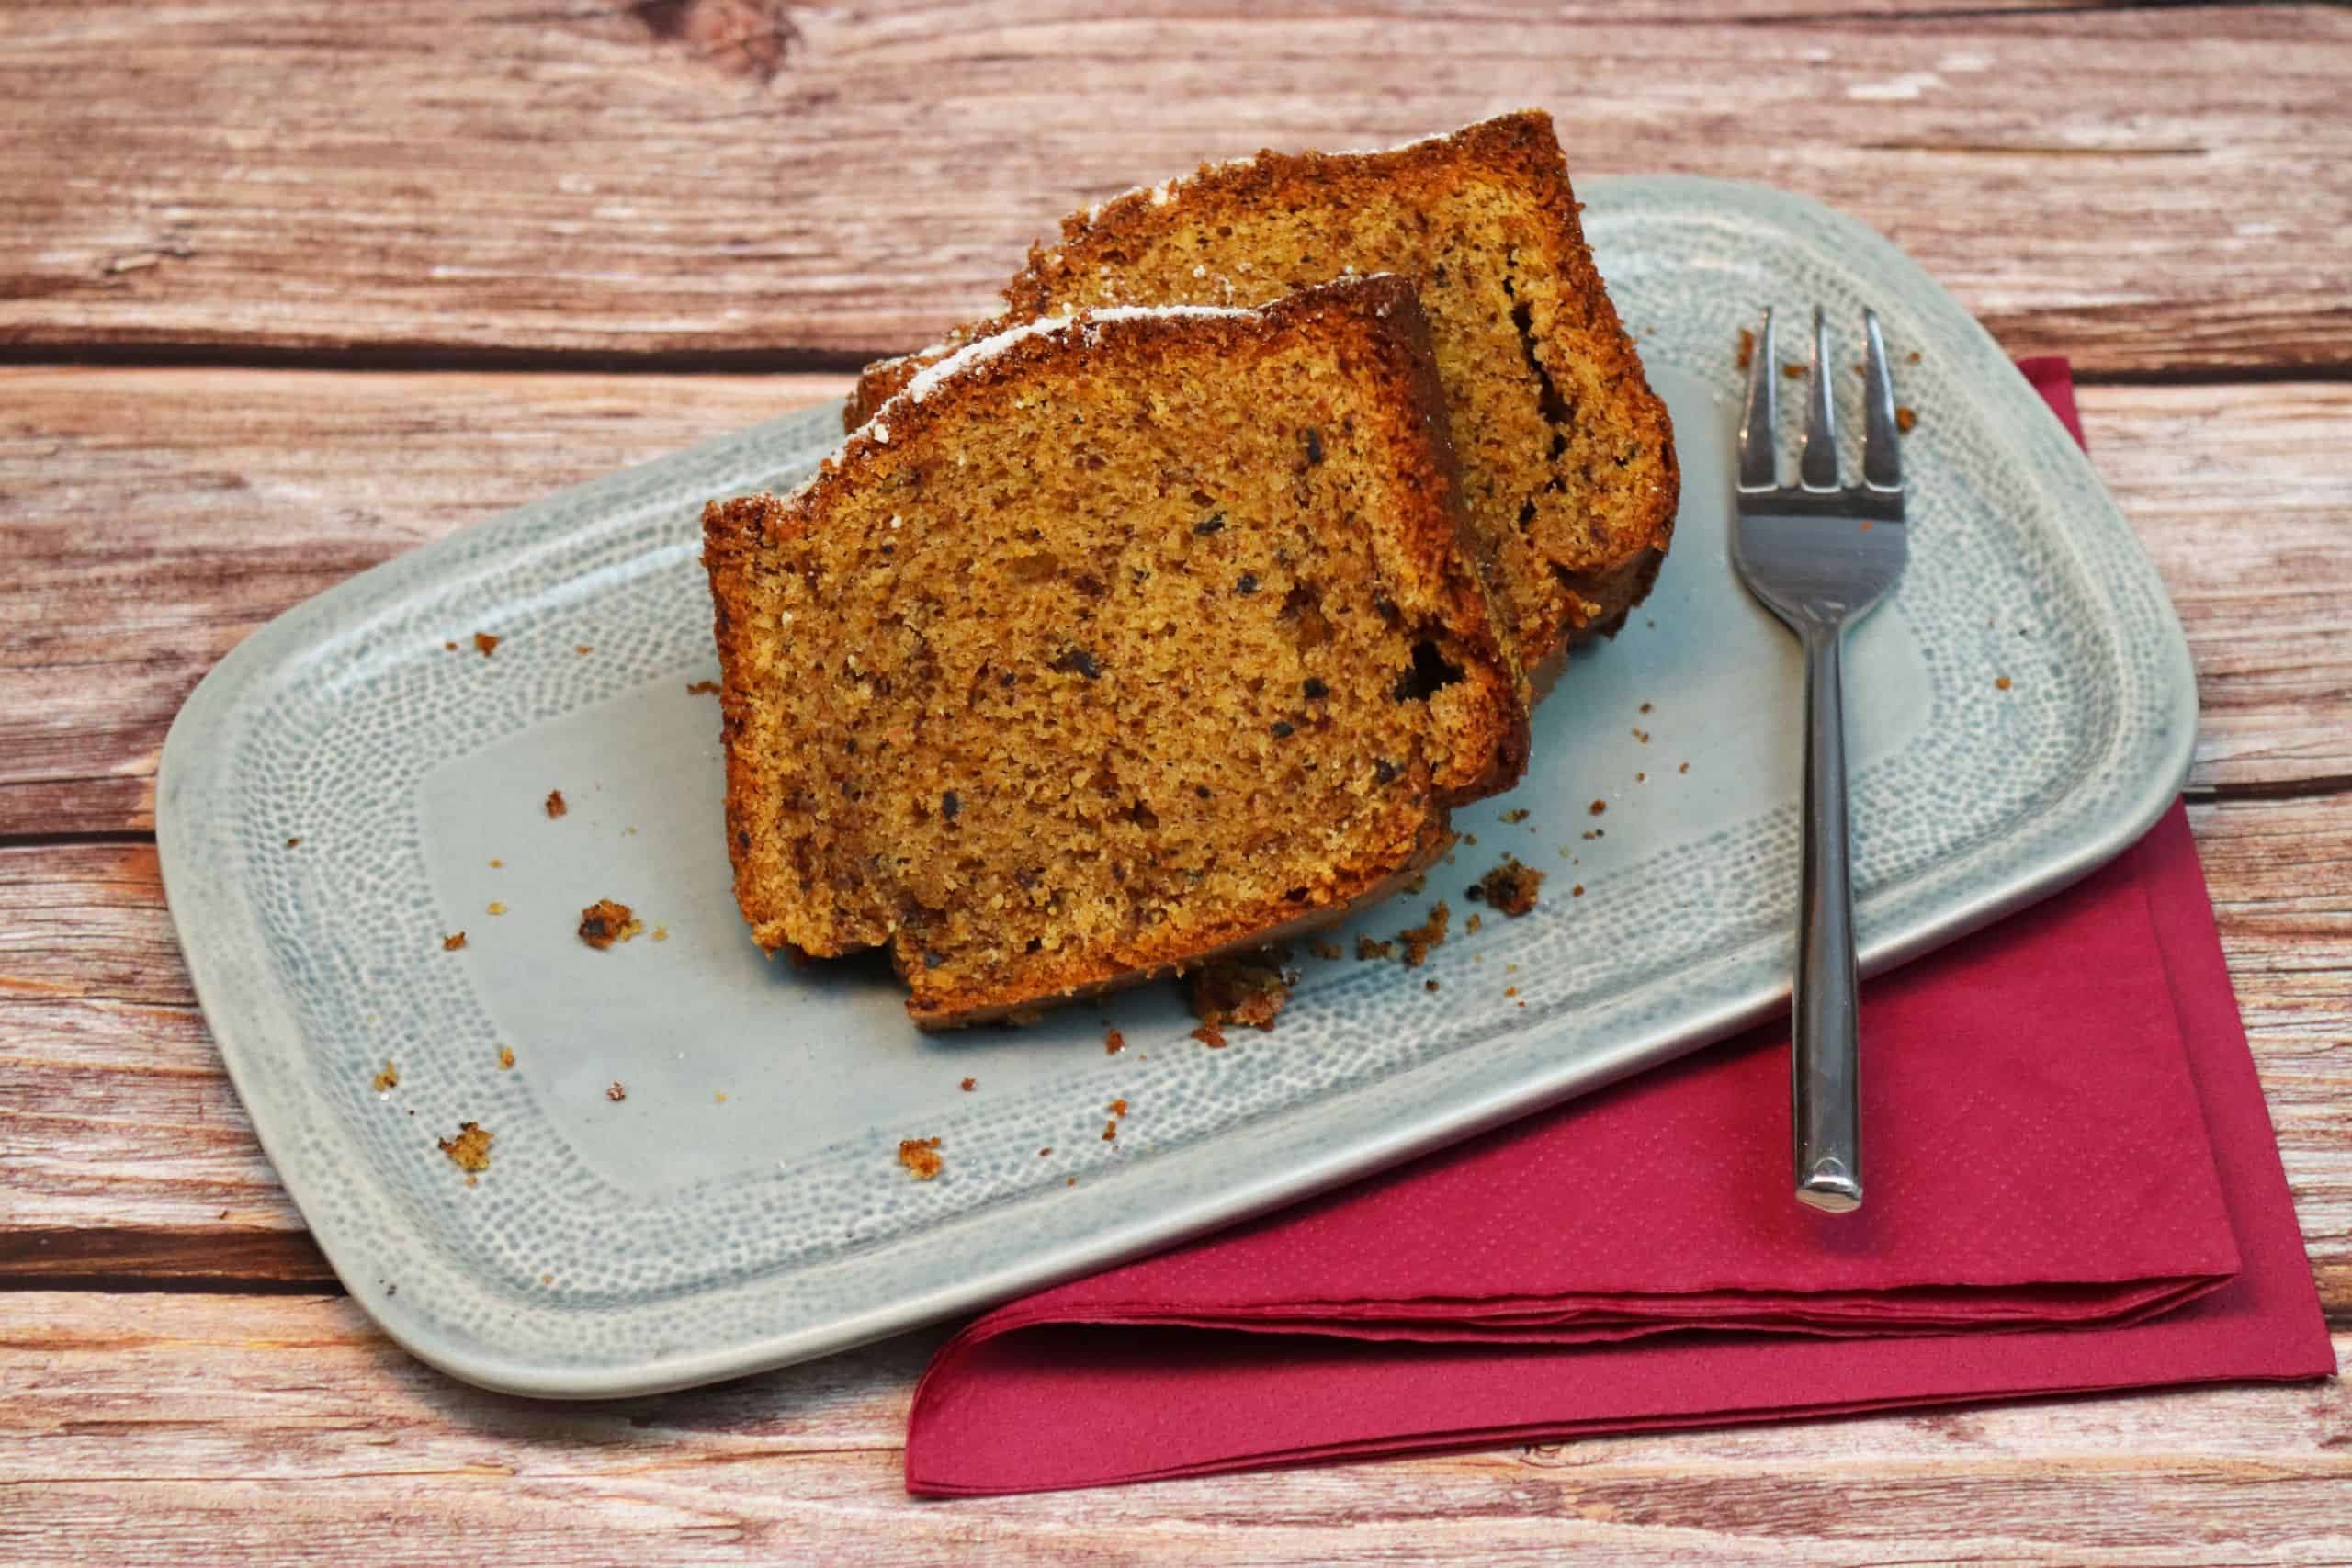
[
  {"x": 1510, "y": 888},
  {"x": 605, "y": 922},
  {"x": 469, "y": 1150}
]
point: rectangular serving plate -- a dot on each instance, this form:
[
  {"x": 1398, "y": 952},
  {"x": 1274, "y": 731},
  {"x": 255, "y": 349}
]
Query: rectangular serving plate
[{"x": 2020, "y": 711}]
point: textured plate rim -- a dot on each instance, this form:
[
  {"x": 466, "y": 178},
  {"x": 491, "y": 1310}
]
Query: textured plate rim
[{"x": 242, "y": 1003}]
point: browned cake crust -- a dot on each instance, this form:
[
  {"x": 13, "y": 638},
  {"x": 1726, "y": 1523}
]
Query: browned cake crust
[
  {"x": 1569, "y": 456},
  {"x": 1119, "y": 645}
]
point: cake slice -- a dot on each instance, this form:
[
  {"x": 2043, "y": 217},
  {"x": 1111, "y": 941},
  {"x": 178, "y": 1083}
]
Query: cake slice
[
  {"x": 1109, "y": 645},
  {"x": 1567, "y": 458}
]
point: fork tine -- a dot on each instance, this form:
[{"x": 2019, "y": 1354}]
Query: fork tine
[
  {"x": 1759, "y": 463},
  {"x": 1818, "y": 468},
  {"x": 1882, "y": 450}
]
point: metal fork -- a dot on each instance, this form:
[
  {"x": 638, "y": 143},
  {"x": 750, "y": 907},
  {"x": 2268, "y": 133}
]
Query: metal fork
[{"x": 1820, "y": 557}]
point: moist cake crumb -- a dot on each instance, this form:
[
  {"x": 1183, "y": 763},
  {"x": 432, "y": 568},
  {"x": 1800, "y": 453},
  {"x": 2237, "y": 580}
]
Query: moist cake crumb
[
  {"x": 1906, "y": 416},
  {"x": 605, "y": 922},
  {"x": 506, "y": 1058},
  {"x": 556, "y": 807},
  {"x": 2001, "y": 682},
  {"x": 487, "y": 643},
  {"x": 1747, "y": 355},
  {"x": 1368, "y": 949},
  {"x": 1325, "y": 950},
  {"x": 1474, "y": 924},
  {"x": 921, "y": 1155},
  {"x": 389, "y": 1079},
  {"x": 1114, "y": 1042},
  {"x": 615, "y": 1092},
  {"x": 293, "y": 844},
  {"x": 1110, "y": 1131},
  {"x": 469, "y": 1150},
  {"x": 1210, "y": 1035},
  {"x": 494, "y": 907},
  {"x": 969, "y": 1085},
  {"x": 702, "y": 688},
  {"x": 453, "y": 941},
  {"x": 1429, "y": 985},
  {"x": 1042, "y": 627},
  {"x": 1516, "y": 814},
  {"x": 1418, "y": 939},
  {"x": 1597, "y": 807},
  {"x": 1510, "y": 887}
]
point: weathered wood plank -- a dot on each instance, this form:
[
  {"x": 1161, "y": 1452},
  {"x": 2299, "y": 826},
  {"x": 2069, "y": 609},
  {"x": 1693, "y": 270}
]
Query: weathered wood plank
[
  {"x": 195, "y": 1427},
  {"x": 2249, "y": 520},
  {"x": 130, "y": 1152},
  {"x": 2148, "y": 190},
  {"x": 154, "y": 517},
  {"x": 157, "y": 517}
]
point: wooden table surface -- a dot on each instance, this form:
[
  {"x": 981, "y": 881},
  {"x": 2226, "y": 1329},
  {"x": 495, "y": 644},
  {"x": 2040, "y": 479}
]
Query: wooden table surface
[{"x": 289, "y": 287}]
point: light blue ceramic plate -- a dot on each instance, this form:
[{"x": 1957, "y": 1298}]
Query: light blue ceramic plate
[{"x": 743, "y": 1205}]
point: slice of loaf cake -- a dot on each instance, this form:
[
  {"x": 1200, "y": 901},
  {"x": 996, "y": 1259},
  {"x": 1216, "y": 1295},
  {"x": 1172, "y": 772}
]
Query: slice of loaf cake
[
  {"x": 1567, "y": 458},
  {"x": 1108, "y": 645}
]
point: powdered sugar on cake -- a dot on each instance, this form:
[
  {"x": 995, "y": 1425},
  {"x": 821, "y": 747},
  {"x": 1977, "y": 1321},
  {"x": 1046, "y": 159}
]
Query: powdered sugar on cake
[
  {"x": 875, "y": 430},
  {"x": 988, "y": 348}
]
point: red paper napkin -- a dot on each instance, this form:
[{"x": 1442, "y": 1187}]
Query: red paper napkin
[{"x": 2073, "y": 1187}]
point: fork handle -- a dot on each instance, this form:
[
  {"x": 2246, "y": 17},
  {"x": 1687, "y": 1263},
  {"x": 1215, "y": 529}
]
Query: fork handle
[{"x": 1825, "y": 1091}]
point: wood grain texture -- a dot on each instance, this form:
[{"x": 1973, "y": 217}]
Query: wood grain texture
[
  {"x": 199, "y": 1429},
  {"x": 148, "y": 519},
  {"x": 126, "y": 1135},
  {"x": 2148, "y": 190},
  {"x": 155, "y": 518}
]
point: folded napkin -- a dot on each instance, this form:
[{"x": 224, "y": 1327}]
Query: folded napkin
[{"x": 2075, "y": 1187}]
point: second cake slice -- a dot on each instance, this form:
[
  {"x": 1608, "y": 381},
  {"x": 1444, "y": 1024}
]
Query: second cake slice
[
  {"x": 1569, "y": 476},
  {"x": 1108, "y": 645}
]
